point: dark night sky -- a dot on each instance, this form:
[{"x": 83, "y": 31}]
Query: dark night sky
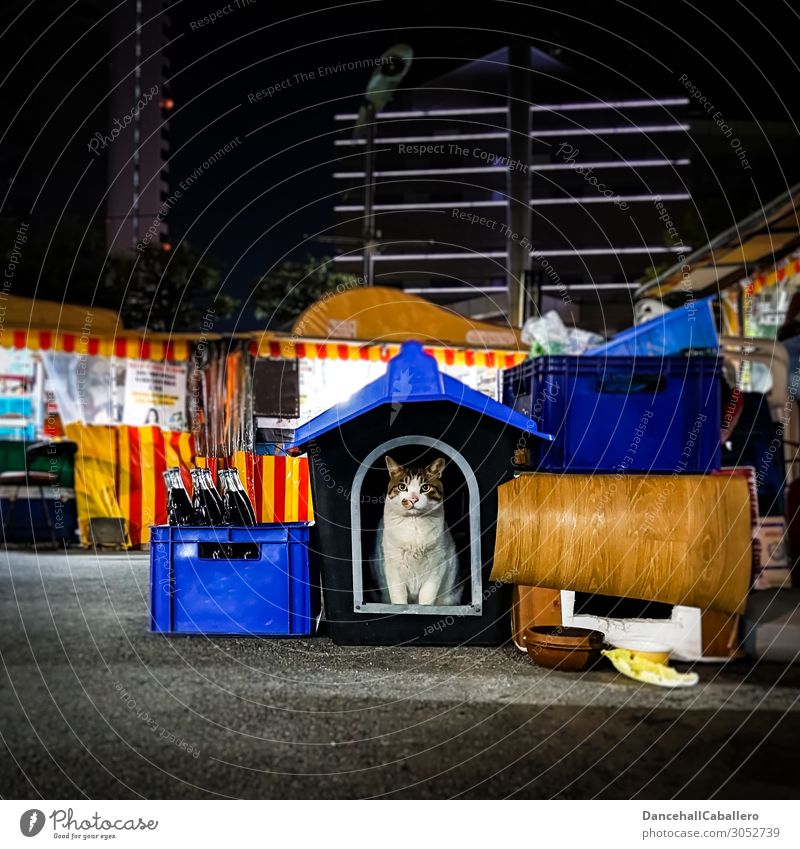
[
  {"x": 736, "y": 57},
  {"x": 257, "y": 204},
  {"x": 736, "y": 60}
]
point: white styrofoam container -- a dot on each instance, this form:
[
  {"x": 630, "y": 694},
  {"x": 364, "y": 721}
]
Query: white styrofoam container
[{"x": 682, "y": 632}]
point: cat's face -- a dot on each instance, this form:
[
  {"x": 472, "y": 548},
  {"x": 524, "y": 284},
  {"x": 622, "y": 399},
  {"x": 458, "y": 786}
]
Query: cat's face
[{"x": 414, "y": 492}]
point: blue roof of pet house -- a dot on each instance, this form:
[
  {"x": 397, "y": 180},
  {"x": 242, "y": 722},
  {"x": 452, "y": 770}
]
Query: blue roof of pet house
[{"x": 412, "y": 377}]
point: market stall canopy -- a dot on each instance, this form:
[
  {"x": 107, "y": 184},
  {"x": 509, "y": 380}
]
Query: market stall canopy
[
  {"x": 278, "y": 346},
  {"x": 760, "y": 239},
  {"x": 36, "y": 325},
  {"x": 412, "y": 377},
  {"x": 55, "y": 316},
  {"x": 381, "y": 314}
]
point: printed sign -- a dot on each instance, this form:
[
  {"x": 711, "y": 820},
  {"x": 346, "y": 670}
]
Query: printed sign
[{"x": 155, "y": 393}]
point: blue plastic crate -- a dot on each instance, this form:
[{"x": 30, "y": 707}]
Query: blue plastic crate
[
  {"x": 622, "y": 414},
  {"x": 691, "y": 326},
  {"x": 232, "y": 580}
]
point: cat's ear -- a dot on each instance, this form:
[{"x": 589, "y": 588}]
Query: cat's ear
[
  {"x": 393, "y": 467},
  {"x": 435, "y": 469}
]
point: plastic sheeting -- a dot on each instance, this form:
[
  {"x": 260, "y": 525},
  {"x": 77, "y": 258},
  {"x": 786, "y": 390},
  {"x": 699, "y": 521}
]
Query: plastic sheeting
[
  {"x": 95, "y": 474},
  {"x": 87, "y": 389},
  {"x": 222, "y": 401}
]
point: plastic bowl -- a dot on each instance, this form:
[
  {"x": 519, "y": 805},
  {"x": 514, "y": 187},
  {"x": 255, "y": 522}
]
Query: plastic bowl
[{"x": 563, "y": 648}]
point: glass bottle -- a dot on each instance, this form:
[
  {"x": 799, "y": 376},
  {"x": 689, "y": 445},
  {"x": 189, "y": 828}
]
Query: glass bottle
[
  {"x": 247, "y": 505},
  {"x": 214, "y": 494},
  {"x": 179, "y": 505},
  {"x": 205, "y": 498},
  {"x": 234, "y": 511}
]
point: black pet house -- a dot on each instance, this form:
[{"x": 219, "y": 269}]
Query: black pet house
[{"x": 416, "y": 414}]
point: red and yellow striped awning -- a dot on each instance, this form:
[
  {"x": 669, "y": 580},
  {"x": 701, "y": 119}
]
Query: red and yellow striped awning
[
  {"x": 290, "y": 349},
  {"x": 124, "y": 347},
  {"x": 777, "y": 274}
]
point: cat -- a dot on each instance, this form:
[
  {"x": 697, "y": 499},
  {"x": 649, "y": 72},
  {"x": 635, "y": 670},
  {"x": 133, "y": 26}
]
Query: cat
[{"x": 415, "y": 558}]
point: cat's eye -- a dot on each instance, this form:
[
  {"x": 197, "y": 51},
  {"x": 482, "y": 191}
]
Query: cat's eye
[
  {"x": 402, "y": 487},
  {"x": 425, "y": 487}
]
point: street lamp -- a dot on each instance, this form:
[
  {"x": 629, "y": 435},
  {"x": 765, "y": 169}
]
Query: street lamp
[{"x": 392, "y": 66}]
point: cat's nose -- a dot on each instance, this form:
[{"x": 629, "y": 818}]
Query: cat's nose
[{"x": 414, "y": 499}]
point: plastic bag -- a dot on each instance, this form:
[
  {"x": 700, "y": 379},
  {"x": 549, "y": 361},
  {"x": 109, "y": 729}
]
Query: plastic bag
[
  {"x": 639, "y": 668},
  {"x": 547, "y": 334}
]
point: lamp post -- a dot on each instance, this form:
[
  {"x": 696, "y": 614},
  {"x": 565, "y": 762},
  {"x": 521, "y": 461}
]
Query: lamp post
[{"x": 393, "y": 65}]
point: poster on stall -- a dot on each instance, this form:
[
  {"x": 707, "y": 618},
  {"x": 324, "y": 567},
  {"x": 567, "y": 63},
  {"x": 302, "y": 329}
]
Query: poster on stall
[
  {"x": 155, "y": 393},
  {"x": 20, "y": 397}
]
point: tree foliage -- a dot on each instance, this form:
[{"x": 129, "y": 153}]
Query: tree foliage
[
  {"x": 60, "y": 259},
  {"x": 163, "y": 290},
  {"x": 281, "y": 294},
  {"x": 65, "y": 260}
]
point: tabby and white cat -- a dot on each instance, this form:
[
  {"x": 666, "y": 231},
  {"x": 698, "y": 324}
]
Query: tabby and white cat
[{"x": 415, "y": 558}]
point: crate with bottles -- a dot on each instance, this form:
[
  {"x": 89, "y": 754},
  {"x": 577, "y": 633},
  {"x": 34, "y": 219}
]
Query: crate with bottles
[
  {"x": 207, "y": 505},
  {"x": 215, "y": 570}
]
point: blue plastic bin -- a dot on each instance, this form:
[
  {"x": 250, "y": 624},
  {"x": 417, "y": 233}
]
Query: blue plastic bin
[
  {"x": 622, "y": 414},
  {"x": 25, "y": 519},
  {"x": 232, "y": 580},
  {"x": 691, "y": 326}
]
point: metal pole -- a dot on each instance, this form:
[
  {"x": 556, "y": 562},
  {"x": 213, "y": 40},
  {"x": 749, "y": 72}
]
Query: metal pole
[
  {"x": 518, "y": 230},
  {"x": 369, "y": 194}
]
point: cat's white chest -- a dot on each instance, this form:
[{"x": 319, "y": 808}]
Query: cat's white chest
[
  {"x": 419, "y": 560},
  {"x": 412, "y": 539}
]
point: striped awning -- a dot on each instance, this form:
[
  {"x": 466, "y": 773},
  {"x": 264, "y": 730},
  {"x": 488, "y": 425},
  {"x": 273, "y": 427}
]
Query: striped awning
[
  {"x": 747, "y": 248},
  {"x": 290, "y": 349},
  {"x": 124, "y": 347},
  {"x": 788, "y": 268}
]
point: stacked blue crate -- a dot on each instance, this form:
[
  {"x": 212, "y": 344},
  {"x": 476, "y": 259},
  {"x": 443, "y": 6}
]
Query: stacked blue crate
[
  {"x": 646, "y": 401},
  {"x": 626, "y": 414}
]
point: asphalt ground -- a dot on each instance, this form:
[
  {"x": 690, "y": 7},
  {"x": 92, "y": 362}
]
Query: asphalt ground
[{"x": 93, "y": 705}]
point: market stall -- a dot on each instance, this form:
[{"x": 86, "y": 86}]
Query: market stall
[
  {"x": 758, "y": 304},
  {"x": 344, "y": 341},
  {"x": 132, "y": 404}
]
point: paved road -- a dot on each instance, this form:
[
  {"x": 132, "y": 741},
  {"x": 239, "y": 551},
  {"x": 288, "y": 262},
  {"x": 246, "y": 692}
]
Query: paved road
[{"x": 93, "y": 705}]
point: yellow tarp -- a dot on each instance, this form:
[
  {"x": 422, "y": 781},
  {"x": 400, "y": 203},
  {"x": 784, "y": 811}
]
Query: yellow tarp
[
  {"x": 379, "y": 314},
  {"x": 95, "y": 474},
  {"x": 63, "y": 318}
]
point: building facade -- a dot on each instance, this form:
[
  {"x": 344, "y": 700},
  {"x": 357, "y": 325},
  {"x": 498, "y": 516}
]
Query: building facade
[
  {"x": 501, "y": 193},
  {"x": 137, "y": 142}
]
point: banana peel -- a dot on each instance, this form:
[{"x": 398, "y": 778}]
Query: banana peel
[{"x": 647, "y": 671}]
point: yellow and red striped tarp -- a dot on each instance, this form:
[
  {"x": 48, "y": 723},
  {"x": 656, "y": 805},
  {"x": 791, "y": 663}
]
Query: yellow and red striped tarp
[
  {"x": 124, "y": 347},
  {"x": 279, "y": 487},
  {"x": 118, "y": 473},
  {"x": 143, "y": 455},
  {"x": 290, "y": 349}
]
